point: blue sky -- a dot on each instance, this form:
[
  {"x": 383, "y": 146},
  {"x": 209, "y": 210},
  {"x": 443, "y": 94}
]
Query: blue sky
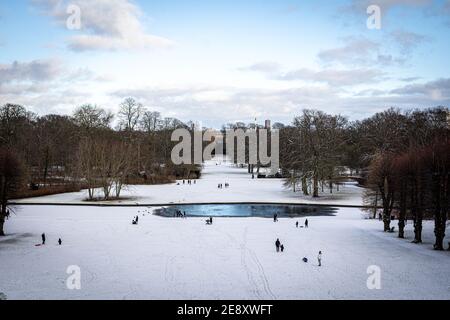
[{"x": 226, "y": 61}]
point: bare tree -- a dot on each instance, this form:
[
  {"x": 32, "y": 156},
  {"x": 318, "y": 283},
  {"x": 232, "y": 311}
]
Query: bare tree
[
  {"x": 90, "y": 117},
  {"x": 10, "y": 181},
  {"x": 313, "y": 148},
  {"x": 382, "y": 180},
  {"x": 151, "y": 121},
  {"x": 129, "y": 114}
]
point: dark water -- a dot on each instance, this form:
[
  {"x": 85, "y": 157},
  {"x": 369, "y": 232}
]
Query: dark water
[{"x": 246, "y": 210}]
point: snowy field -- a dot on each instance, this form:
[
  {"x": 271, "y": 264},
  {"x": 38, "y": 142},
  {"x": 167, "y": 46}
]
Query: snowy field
[
  {"x": 242, "y": 189},
  {"x": 235, "y": 258}
]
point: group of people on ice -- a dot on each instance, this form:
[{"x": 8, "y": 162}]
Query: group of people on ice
[
  {"x": 189, "y": 182},
  {"x": 179, "y": 214},
  {"x": 220, "y": 185},
  {"x": 306, "y": 223},
  {"x": 44, "y": 238},
  {"x": 209, "y": 221},
  {"x": 279, "y": 247}
]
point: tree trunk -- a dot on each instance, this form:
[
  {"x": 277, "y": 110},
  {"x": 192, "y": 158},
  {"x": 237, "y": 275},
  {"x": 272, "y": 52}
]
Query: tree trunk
[
  {"x": 315, "y": 186},
  {"x": 2, "y": 223},
  {"x": 386, "y": 206},
  {"x": 46, "y": 166},
  {"x": 401, "y": 228},
  {"x": 91, "y": 193},
  {"x": 417, "y": 214},
  {"x": 386, "y": 219},
  {"x": 439, "y": 232},
  {"x": 402, "y": 216},
  {"x": 375, "y": 207},
  {"x": 439, "y": 217},
  {"x": 304, "y": 186},
  {"x": 3, "y": 203},
  {"x": 418, "y": 230}
]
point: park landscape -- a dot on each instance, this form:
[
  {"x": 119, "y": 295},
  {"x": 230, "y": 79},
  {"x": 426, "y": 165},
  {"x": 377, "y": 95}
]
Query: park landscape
[{"x": 167, "y": 151}]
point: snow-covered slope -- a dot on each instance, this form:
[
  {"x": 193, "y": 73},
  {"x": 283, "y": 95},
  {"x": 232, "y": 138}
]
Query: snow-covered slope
[{"x": 235, "y": 258}]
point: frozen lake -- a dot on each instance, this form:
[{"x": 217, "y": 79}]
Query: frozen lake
[{"x": 247, "y": 210}]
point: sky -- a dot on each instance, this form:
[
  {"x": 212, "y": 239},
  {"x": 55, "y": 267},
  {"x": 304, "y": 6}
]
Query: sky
[{"x": 217, "y": 62}]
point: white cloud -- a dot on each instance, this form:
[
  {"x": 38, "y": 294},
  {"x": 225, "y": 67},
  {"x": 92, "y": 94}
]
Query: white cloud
[
  {"x": 105, "y": 25},
  {"x": 36, "y": 70},
  {"x": 360, "y": 51},
  {"x": 437, "y": 90},
  {"x": 407, "y": 41},
  {"x": 264, "y": 66},
  {"x": 355, "y": 50},
  {"x": 333, "y": 77},
  {"x": 46, "y": 85}
]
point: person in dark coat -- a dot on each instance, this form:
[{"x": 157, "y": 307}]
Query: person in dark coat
[
  {"x": 59, "y": 241},
  {"x": 277, "y": 245},
  {"x": 306, "y": 223},
  {"x": 282, "y": 248},
  {"x": 137, "y": 219},
  {"x": 43, "y": 238},
  {"x": 296, "y": 224},
  {"x": 319, "y": 258}
]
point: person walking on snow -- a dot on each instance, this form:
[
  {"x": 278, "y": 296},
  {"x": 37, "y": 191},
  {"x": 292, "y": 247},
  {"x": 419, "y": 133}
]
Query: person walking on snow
[
  {"x": 282, "y": 248},
  {"x": 277, "y": 245},
  {"x": 306, "y": 223},
  {"x": 319, "y": 258},
  {"x": 296, "y": 224},
  {"x": 59, "y": 241},
  {"x": 43, "y": 238}
]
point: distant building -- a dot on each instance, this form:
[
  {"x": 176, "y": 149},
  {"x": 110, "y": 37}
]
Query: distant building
[{"x": 268, "y": 124}]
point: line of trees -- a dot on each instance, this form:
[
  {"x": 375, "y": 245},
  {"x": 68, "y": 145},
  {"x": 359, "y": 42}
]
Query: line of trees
[
  {"x": 59, "y": 153},
  {"x": 402, "y": 158},
  {"x": 415, "y": 184}
]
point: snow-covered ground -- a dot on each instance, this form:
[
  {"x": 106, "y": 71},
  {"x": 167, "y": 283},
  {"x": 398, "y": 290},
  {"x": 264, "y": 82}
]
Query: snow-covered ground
[
  {"x": 235, "y": 258},
  {"x": 242, "y": 189}
]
